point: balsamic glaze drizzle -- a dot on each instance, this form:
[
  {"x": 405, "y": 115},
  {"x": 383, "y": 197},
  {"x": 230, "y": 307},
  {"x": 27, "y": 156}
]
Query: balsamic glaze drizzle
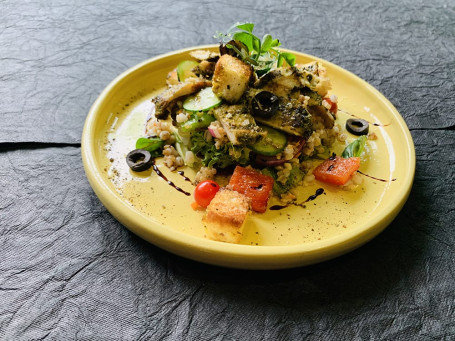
[
  {"x": 372, "y": 123},
  {"x": 170, "y": 183},
  {"x": 319, "y": 191},
  {"x": 383, "y": 180},
  {"x": 181, "y": 173}
]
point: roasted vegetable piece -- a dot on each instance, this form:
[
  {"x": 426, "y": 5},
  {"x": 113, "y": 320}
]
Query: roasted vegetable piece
[
  {"x": 253, "y": 185},
  {"x": 337, "y": 170}
]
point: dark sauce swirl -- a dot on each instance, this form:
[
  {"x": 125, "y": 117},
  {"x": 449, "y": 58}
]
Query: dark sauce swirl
[
  {"x": 319, "y": 191},
  {"x": 372, "y": 123},
  {"x": 170, "y": 183},
  {"x": 182, "y": 174},
  {"x": 372, "y": 177}
]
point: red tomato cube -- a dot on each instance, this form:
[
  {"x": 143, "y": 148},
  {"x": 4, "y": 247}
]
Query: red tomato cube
[
  {"x": 337, "y": 171},
  {"x": 254, "y": 185}
]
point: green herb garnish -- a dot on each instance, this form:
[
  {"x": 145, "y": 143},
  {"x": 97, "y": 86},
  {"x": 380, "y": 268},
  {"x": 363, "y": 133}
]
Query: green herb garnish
[
  {"x": 355, "y": 148},
  {"x": 154, "y": 145},
  {"x": 262, "y": 54}
]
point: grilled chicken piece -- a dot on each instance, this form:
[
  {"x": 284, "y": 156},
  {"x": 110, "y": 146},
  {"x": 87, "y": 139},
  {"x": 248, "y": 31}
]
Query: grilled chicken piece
[
  {"x": 314, "y": 76},
  {"x": 240, "y": 126},
  {"x": 226, "y": 215},
  {"x": 283, "y": 81},
  {"x": 205, "y": 69},
  {"x": 321, "y": 111},
  {"x": 231, "y": 78},
  {"x": 188, "y": 87},
  {"x": 291, "y": 117},
  {"x": 313, "y": 98}
]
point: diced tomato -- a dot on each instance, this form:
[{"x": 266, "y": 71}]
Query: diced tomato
[
  {"x": 337, "y": 170},
  {"x": 254, "y": 185},
  {"x": 205, "y": 191},
  {"x": 333, "y": 105}
]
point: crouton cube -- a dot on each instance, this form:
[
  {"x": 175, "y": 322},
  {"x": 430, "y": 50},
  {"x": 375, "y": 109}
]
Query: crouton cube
[
  {"x": 226, "y": 215},
  {"x": 230, "y": 78}
]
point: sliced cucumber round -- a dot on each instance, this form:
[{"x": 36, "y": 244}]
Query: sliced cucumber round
[
  {"x": 202, "y": 101},
  {"x": 272, "y": 143},
  {"x": 185, "y": 69}
]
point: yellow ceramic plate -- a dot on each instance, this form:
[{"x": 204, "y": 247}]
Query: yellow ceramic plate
[{"x": 333, "y": 224}]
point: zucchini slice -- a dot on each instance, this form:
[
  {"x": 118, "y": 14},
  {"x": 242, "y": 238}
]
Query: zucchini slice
[
  {"x": 272, "y": 143},
  {"x": 185, "y": 69},
  {"x": 202, "y": 101}
]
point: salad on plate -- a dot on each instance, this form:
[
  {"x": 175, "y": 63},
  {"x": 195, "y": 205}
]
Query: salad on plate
[{"x": 253, "y": 115}]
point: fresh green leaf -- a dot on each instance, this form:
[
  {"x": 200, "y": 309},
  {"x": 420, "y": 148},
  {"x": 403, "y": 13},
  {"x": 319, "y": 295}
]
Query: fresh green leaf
[
  {"x": 245, "y": 26},
  {"x": 275, "y": 43},
  {"x": 280, "y": 61},
  {"x": 258, "y": 50},
  {"x": 256, "y": 44},
  {"x": 245, "y": 38},
  {"x": 150, "y": 144},
  {"x": 154, "y": 145},
  {"x": 288, "y": 57},
  {"x": 266, "y": 43},
  {"x": 355, "y": 148}
]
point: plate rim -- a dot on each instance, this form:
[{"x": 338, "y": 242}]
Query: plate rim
[{"x": 237, "y": 255}]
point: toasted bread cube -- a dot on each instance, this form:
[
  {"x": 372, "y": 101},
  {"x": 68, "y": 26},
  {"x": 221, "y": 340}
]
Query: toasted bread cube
[
  {"x": 226, "y": 215},
  {"x": 230, "y": 79}
]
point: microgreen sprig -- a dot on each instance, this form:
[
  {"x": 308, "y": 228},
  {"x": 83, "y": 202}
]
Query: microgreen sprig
[{"x": 260, "y": 53}]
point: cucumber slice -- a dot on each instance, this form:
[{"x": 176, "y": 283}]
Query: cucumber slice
[
  {"x": 202, "y": 101},
  {"x": 185, "y": 69},
  {"x": 271, "y": 144},
  {"x": 198, "y": 120}
]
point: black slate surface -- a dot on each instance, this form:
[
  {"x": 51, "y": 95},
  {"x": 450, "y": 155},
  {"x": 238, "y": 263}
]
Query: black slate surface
[{"x": 70, "y": 271}]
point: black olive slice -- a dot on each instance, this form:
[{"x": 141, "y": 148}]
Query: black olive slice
[
  {"x": 357, "y": 126},
  {"x": 139, "y": 160},
  {"x": 265, "y": 104}
]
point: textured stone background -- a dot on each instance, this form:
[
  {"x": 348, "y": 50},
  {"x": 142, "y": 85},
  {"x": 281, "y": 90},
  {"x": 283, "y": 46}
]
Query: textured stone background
[{"x": 69, "y": 270}]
